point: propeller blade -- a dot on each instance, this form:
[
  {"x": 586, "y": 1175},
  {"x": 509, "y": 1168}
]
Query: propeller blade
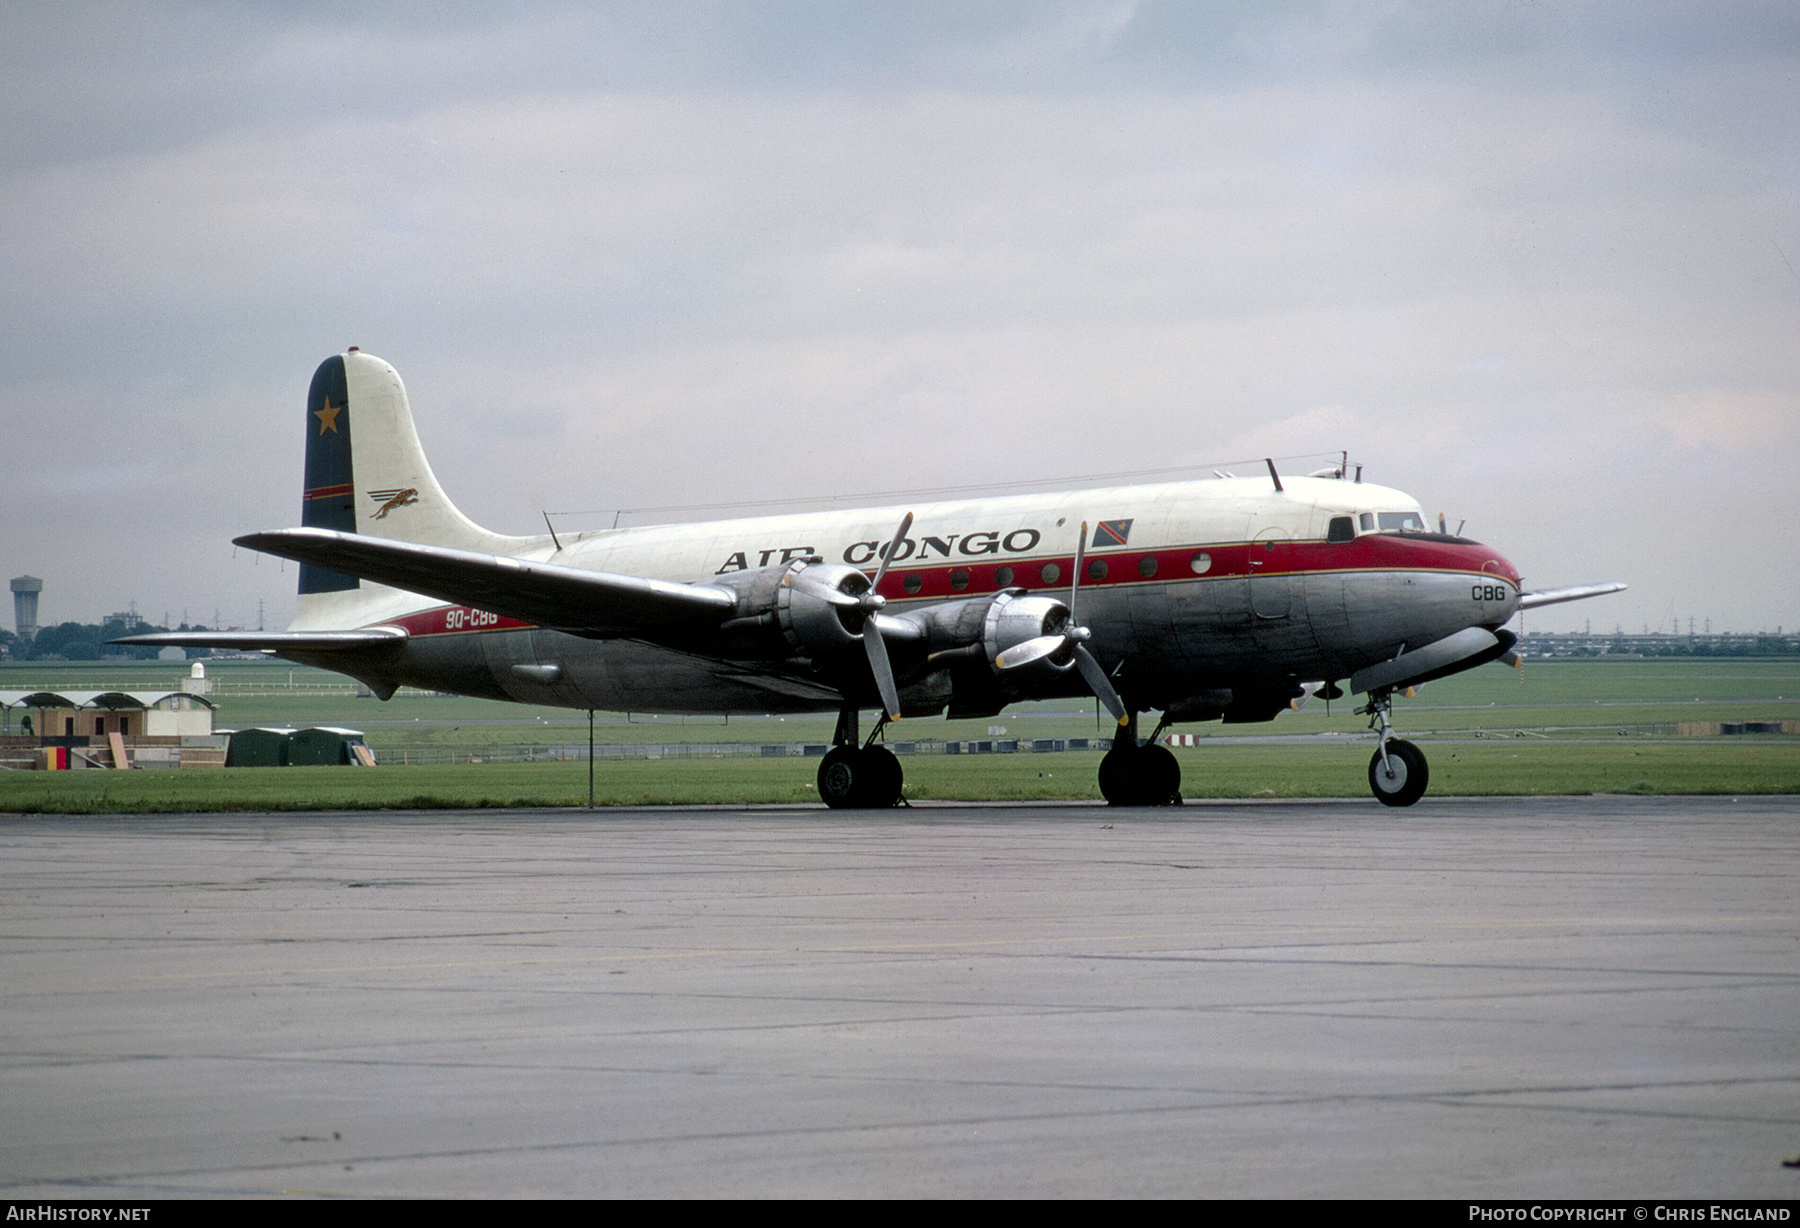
[
  {"x": 870, "y": 603},
  {"x": 882, "y": 669},
  {"x": 827, "y": 593},
  {"x": 1307, "y": 691},
  {"x": 1029, "y": 651},
  {"x": 1075, "y": 580},
  {"x": 887, "y": 556},
  {"x": 1099, "y": 683}
]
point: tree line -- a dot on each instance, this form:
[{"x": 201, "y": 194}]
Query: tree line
[{"x": 87, "y": 642}]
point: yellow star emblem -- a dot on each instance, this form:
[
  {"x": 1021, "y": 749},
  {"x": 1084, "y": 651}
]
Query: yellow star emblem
[{"x": 328, "y": 417}]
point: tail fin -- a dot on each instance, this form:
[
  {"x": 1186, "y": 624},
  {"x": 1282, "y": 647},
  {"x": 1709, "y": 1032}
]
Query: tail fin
[{"x": 382, "y": 486}]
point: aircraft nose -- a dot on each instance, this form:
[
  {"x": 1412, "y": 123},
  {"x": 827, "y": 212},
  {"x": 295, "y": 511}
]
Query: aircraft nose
[
  {"x": 1499, "y": 597},
  {"x": 1500, "y": 566}
]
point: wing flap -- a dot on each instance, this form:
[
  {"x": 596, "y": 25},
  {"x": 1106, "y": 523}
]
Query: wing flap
[{"x": 597, "y": 604}]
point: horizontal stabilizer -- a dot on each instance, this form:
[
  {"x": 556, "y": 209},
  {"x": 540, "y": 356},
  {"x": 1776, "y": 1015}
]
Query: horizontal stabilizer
[
  {"x": 271, "y": 641},
  {"x": 1551, "y": 596},
  {"x": 591, "y": 603}
]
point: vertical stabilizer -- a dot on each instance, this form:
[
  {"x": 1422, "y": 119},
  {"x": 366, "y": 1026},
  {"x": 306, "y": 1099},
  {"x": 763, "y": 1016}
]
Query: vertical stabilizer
[
  {"x": 328, "y": 499},
  {"x": 366, "y": 473}
]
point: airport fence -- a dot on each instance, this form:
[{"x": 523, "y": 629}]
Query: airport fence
[{"x": 565, "y": 752}]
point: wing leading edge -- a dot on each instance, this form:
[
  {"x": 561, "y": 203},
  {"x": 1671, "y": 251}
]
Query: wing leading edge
[
  {"x": 596, "y": 604},
  {"x": 1578, "y": 592},
  {"x": 272, "y": 641}
]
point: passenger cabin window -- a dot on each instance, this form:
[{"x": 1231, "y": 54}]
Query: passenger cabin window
[{"x": 1341, "y": 529}]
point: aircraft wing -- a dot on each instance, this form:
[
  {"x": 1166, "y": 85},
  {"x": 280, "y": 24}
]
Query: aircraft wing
[
  {"x": 270, "y": 641},
  {"x": 597, "y": 604},
  {"x": 1551, "y": 596}
]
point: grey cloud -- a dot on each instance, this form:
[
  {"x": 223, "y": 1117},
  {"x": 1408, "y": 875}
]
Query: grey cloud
[{"x": 1528, "y": 261}]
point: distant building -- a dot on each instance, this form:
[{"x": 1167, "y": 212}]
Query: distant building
[
  {"x": 110, "y": 729},
  {"x": 1659, "y": 644}
]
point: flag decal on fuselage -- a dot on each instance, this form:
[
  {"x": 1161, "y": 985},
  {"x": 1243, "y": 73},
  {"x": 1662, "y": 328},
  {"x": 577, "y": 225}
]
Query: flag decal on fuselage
[{"x": 1110, "y": 533}]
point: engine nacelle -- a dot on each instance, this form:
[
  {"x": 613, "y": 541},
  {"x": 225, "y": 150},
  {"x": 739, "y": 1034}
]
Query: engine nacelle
[
  {"x": 988, "y": 625},
  {"x": 1013, "y": 620},
  {"x": 806, "y": 608}
]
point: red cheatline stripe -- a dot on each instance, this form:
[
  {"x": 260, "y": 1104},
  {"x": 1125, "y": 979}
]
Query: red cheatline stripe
[
  {"x": 1227, "y": 561},
  {"x": 435, "y": 621},
  {"x": 326, "y": 492}
]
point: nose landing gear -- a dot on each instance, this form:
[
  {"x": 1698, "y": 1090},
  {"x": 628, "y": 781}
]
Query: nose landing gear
[{"x": 1398, "y": 773}]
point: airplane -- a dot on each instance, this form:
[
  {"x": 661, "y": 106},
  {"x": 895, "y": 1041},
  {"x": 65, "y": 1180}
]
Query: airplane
[{"x": 1230, "y": 598}]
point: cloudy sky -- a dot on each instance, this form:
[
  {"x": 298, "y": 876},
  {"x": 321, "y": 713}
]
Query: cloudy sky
[{"x": 1532, "y": 261}]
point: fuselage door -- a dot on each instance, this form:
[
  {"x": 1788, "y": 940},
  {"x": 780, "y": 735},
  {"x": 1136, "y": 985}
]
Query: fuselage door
[{"x": 1271, "y": 594}]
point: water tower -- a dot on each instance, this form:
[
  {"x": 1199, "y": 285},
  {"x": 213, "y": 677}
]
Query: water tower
[{"x": 25, "y": 596}]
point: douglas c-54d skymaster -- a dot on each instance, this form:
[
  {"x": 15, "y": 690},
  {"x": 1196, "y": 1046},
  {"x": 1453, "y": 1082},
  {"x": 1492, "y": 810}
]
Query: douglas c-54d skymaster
[{"x": 1204, "y": 600}]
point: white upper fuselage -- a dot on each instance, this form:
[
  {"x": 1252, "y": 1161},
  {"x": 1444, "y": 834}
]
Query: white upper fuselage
[{"x": 980, "y": 536}]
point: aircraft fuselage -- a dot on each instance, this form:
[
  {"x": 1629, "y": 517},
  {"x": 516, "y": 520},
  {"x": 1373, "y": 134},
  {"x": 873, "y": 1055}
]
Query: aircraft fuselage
[{"x": 1191, "y": 588}]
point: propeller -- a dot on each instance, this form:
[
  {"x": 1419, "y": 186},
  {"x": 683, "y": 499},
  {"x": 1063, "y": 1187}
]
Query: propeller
[
  {"x": 870, "y": 603},
  {"x": 1073, "y": 637}
]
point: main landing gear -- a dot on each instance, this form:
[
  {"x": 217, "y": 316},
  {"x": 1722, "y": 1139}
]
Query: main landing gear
[
  {"x": 852, "y": 777},
  {"x": 1134, "y": 775},
  {"x": 1398, "y": 773}
]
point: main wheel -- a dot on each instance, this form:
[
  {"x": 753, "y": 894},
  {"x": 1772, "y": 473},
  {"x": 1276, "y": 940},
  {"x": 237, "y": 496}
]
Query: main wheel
[
  {"x": 854, "y": 779},
  {"x": 840, "y": 778},
  {"x": 1160, "y": 775},
  {"x": 1140, "y": 776},
  {"x": 1402, "y": 782},
  {"x": 882, "y": 777},
  {"x": 1117, "y": 779}
]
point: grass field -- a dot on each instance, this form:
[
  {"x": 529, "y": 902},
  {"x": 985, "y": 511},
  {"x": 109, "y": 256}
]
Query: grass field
[{"x": 1570, "y": 727}]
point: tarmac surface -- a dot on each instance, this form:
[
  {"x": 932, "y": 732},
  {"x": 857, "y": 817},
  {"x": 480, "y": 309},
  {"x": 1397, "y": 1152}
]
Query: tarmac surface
[{"x": 1496, "y": 998}]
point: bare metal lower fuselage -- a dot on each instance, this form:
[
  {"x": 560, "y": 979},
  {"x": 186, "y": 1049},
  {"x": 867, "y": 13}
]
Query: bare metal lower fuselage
[{"x": 1205, "y": 635}]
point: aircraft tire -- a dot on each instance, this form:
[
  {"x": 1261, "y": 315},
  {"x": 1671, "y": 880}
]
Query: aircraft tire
[
  {"x": 855, "y": 779},
  {"x": 1161, "y": 776},
  {"x": 1116, "y": 777},
  {"x": 839, "y": 778},
  {"x": 883, "y": 777},
  {"x": 1140, "y": 776},
  {"x": 1406, "y": 783}
]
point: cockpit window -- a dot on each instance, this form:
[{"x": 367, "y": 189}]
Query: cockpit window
[
  {"x": 1341, "y": 529},
  {"x": 1401, "y": 522},
  {"x": 1367, "y": 520}
]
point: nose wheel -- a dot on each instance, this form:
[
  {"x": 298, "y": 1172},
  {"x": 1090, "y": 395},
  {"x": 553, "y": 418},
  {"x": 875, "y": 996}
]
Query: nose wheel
[
  {"x": 1398, "y": 773},
  {"x": 1399, "y": 777}
]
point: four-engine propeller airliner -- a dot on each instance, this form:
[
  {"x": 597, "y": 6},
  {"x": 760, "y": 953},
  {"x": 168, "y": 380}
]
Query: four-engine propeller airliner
[{"x": 1224, "y": 599}]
